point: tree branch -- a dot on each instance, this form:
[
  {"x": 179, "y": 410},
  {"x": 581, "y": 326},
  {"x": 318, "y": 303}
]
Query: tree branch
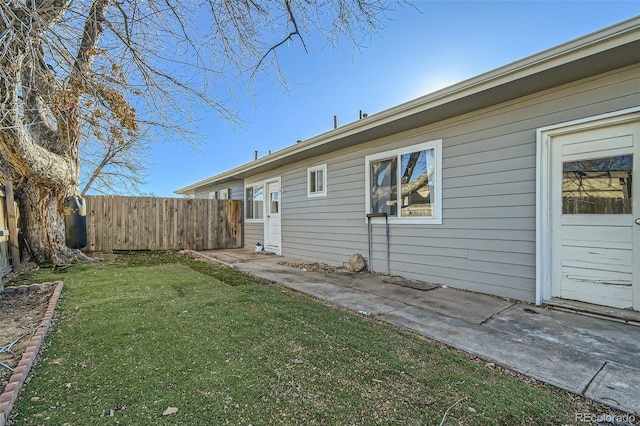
[{"x": 296, "y": 31}]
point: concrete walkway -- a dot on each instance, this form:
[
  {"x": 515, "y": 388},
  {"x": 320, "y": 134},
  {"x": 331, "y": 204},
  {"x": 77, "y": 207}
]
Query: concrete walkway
[{"x": 594, "y": 357}]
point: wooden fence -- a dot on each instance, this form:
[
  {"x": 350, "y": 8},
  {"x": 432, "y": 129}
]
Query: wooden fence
[
  {"x": 596, "y": 205},
  {"x": 151, "y": 223},
  {"x": 9, "y": 251},
  {"x": 5, "y": 258}
]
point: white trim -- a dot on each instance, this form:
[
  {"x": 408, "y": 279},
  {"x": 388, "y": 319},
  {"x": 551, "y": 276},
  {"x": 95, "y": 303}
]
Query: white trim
[
  {"x": 277, "y": 249},
  {"x": 543, "y": 187},
  {"x": 244, "y": 200},
  {"x": 323, "y": 193},
  {"x": 436, "y": 145}
]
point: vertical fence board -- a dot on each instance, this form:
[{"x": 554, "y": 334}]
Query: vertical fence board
[
  {"x": 149, "y": 223},
  {"x": 120, "y": 225},
  {"x": 5, "y": 261},
  {"x": 92, "y": 226},
  {"x": 232, "y": 230}
]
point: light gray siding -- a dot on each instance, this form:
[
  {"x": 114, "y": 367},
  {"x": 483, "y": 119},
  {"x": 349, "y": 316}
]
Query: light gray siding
[
  {"x": 236, "y": 190},
  {"x": 253, "y": 233},
  {"x": 486, "y": 242}
]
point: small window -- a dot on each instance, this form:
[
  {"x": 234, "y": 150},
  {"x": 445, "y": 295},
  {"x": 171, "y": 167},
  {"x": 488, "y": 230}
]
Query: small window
[
  {"x": 223, "y": 194},
  {"x": 406, "y": 184},
  {"x": 254, "y": 202},
  {"x": 212, "y": 195},
  {"x": 274, "y": 206},
  {"x": 317, "y": 181}
]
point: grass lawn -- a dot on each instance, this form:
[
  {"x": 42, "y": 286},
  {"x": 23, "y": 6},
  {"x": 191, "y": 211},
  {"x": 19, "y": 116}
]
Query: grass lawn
[{"x": 139, "y": 333}]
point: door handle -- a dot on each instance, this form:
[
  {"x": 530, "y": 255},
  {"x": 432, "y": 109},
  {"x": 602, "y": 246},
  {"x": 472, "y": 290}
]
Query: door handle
[{"x": 638, "y": 221}]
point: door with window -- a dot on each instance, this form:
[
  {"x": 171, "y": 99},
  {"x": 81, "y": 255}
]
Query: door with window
[
  {"x": 595, "y": 216},
  {"x": 272, "y": 235}
]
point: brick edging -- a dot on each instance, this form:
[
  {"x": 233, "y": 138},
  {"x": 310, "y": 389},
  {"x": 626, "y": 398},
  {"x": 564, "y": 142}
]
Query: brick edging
[{"x": 12, "y": 390}]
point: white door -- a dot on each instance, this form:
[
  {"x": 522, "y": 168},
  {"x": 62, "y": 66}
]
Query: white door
[
  {"x": 272, "y": 235},
  {"x": 594, "y": 206}
]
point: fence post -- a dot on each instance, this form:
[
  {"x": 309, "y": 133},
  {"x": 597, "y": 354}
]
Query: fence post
[{"x": 13, "y": 227}]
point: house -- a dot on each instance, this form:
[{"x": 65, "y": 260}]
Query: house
[{"x": 486, "y": 185}]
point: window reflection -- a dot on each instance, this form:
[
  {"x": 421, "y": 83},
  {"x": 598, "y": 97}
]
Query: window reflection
[
  {"x": 383, "y": 186},
  {"x": 417, "y": 183},
  {"x": 254, "y": 202},
  {"x": 597, "y": 186},
  {"x": 416, "y": 176},
  {"x": 275, "y": 202},
  {"x": 258, "y": 201}
]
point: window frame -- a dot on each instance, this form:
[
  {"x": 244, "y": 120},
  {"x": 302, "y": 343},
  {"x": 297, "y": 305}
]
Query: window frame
[
  {"x": 436, "y": 219},
  {"x": 223, "y": 194},
  {"x": 253, "y": 186},
  {"x": 314, "y": 170}
]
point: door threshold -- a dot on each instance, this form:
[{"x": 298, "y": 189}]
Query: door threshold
[{"x": 628, "y": 316}]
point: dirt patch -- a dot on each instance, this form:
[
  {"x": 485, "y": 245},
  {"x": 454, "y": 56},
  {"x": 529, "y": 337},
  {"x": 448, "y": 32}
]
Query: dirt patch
[
  {"x": 20, "y": 314},
  {"x": 312, "y": 267},
  {"x": 389, "y": 279}
]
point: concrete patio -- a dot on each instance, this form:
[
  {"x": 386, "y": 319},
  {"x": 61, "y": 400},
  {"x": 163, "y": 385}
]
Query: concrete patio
[{"x": 592, "y": 356}]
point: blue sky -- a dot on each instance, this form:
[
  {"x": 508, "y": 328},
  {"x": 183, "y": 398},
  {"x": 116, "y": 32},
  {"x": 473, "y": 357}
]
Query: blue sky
[{"x": 417, "y": 52}]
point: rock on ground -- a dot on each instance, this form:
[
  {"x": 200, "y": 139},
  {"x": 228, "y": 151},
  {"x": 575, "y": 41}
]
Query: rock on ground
[{"x": 356, "y": 263}]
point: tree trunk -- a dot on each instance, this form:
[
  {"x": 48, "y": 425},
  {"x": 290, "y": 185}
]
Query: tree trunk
[
  {"x": 59, "y": 81},
  {"x": 42, "y": 223}
]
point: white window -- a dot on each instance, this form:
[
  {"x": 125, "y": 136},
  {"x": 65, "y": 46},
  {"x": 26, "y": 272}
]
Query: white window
[
  {"x": 254, "y": 202},
  {"x": 223, "y": 194},
  {"x": 317, "y": 181},
  {"x": 406, "y": 183}
]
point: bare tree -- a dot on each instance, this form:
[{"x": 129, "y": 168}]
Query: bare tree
[
  {"x": 68, "y": 65},
  {"x": 111, "y": 166}
]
